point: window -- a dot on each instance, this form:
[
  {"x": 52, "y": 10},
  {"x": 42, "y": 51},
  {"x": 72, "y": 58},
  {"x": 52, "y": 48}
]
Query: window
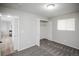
[{"x": 66, "y": 24}]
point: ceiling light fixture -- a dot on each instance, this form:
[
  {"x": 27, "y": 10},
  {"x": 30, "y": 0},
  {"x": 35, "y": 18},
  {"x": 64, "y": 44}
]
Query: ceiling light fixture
[{"x": 50, "y": 6}]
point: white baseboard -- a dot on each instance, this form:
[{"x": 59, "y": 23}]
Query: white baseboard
[{"x": 26, "y": 47}]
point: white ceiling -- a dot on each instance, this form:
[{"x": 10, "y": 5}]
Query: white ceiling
[{"x": 39, "y": 9}]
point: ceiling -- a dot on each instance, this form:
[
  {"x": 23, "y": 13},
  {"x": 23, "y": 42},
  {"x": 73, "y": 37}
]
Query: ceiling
[{"x": 39, "y": 9}]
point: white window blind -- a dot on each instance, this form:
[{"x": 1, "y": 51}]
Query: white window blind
[{"x": 66, "y": 24}]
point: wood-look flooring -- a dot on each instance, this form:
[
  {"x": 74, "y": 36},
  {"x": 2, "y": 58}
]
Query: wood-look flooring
[{"x": 48, "y": 48}]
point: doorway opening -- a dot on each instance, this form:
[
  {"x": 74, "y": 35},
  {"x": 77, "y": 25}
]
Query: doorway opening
[
  {"x": 7, "y": 34},
  {"x": 43, "y": 29}
]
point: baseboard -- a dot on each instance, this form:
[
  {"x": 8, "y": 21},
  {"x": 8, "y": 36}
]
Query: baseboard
[
  {"x": 64, "y": 44},
  {"x": 26, "y": 47}
]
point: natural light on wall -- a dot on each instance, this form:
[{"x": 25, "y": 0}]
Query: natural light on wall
[{"x": 66, "y": 24}]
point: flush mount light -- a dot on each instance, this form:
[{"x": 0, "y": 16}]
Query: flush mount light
[{"x": 50, "y": 6}]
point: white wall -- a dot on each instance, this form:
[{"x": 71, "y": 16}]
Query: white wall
[
  {"x": 0, "y": 30},
  {"x": 43, "y": 29},
  {"x": 28, "y": 31},
  {"x": 27, "y": 34},
  {"x": 0, "y": 37},
  {"x": 69, "y": 38}
]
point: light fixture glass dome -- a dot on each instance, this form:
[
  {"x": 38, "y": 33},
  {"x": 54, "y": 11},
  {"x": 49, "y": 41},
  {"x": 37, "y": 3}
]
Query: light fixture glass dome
[{"x": 50, "y": 6}]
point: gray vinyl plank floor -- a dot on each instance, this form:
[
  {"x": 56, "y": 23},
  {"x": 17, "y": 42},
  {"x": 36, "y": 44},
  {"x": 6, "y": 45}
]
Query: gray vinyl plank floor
[{"x": 48, "y": 48}]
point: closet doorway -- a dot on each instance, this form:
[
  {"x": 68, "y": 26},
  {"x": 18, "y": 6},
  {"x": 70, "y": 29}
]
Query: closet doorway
[{"x": 43, "y": 29}]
